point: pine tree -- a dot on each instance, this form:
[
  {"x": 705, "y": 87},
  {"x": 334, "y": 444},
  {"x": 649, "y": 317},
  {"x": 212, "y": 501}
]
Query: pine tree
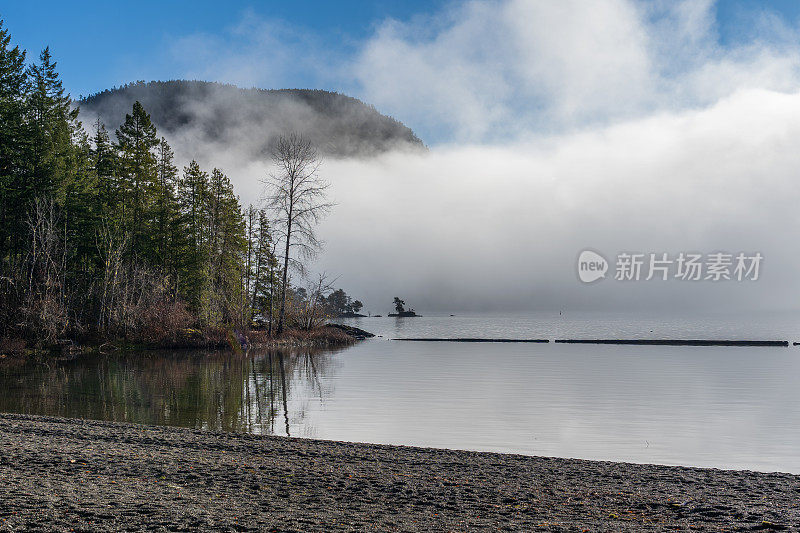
[
  {"x": 166, "y": 207},
  {"x": 59, "y": 174},
  {"x": 83, "y": 214},
  {"x": 265, "y": 276},
  {"x": 12, "y": 163},
  {"x": 104, "y": 163},
  {"x": 228, "y": 245},
  {"x": 194, "y": 274},
  {"x": 52, "y": 125},
  {"x": 138, "y": 173}
]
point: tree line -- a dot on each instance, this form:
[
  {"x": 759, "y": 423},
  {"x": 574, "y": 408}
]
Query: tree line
[{"x": 102, "y": 235}]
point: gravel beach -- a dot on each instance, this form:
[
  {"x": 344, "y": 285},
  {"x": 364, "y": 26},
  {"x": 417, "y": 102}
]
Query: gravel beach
[{"x": 63, "y": 474}]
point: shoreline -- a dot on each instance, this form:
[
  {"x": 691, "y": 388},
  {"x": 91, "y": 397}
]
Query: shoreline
[
  {"x": 321, "y": 337},
  {"x": 59, "y": 474}
]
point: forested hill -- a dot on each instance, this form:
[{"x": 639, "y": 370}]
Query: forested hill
[{"x": 250, "y": 119}]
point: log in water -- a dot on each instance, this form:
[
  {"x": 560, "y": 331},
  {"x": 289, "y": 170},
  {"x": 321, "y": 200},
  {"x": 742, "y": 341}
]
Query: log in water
[
  {"x": 471, "y": 340},
  {"x": 646, "y": 342},
  {"x": 675, "y": 342}
]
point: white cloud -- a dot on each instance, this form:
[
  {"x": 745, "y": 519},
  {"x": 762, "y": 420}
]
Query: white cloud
[{"x": 495, "y": 70}]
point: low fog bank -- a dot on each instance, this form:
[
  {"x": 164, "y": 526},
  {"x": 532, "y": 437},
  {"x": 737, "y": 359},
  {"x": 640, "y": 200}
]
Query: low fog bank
[{"x": 487, "y": 228}]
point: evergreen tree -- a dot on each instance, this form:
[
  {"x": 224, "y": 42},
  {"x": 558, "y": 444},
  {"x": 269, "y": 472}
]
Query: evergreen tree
[
  {"x": 194, "y": 280},
  {"x": 82, "y": 213},
  {"x": 104, "y": 162},
  {"x": 52, "y": 124},
  {"x": 12, "y": 162},
  {"x": 266, "y": 280},
  {"x": 59, "y": 174},
  {"x": 227, "y": 245},
  {"x": 166, "y": 208},
  {"x": 138, "y": 174},
  {"x": 251, "y": 220}
]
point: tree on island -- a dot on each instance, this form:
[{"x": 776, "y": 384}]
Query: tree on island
[
  {"x": 298, "y": 202},
  {"x": 340, "y": 304},
  {"x": 400, "y": 309},
  {"x": 338, "y": 301}
]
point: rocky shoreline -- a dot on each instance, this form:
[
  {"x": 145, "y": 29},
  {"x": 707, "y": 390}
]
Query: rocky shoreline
[{"x": 65, "y": 474}]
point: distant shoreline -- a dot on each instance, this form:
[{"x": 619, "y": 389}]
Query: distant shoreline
[{"x": 65, "y": 473}]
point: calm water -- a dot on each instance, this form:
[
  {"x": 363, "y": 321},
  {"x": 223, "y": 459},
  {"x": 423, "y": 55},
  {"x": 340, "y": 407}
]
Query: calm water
[{"x": 704, "y": 406}]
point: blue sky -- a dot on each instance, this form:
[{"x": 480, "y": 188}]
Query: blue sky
[
  {"x": 95, "y": 42},
  {"x": 99, "y": 44},
  {"x": 453, "y": 71}
]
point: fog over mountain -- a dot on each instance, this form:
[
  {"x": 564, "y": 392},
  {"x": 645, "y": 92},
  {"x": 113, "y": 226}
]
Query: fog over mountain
[{"x": 248, "y": 120}]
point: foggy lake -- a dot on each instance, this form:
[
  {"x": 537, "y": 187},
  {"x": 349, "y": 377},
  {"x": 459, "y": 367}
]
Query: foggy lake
[{"x": 727, "y": 407}]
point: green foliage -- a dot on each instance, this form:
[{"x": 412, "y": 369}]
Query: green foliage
[
  {"x": 138, "y": 178},
  {"x": 266, "y": 282},
  {"x": 169, "y": 237},
  {"x": 194, "y": 276},
  {"x": 104, "y": 162},
  {"x": 228, "y": 243},
  {"x": 51, "y": 125},
  {"x": 339, "y": 303},
  {"x": 13, "y": 142},
  {"x": 99, "y": 236}
]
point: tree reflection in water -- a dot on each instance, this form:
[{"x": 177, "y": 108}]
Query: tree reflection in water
[{"x": 207, "y": 390}]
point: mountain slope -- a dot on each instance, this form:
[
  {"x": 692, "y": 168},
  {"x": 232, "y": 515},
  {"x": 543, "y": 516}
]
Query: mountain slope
[{"x": 207, "y": 112}]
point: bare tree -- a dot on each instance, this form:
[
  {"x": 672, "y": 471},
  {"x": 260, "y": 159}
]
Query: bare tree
[
  {"x": 111, "y": 244},
  {"x": 45, "y": 302},
  {"x": 298, "y": 200},
  {"x": 313, "y": 312}
]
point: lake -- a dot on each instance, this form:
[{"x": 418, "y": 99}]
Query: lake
[{"x": 727, "y": 407}]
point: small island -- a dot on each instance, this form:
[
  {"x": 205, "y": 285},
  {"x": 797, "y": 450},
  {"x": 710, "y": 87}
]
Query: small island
[
  {"x": 342, "y": 306},
  {"x": 400, "y": 310}
]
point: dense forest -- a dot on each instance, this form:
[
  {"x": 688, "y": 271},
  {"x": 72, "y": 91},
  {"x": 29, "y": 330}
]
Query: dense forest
[
  {"x": 251, "y": 119},
  {"x": 103, "y": 237}
]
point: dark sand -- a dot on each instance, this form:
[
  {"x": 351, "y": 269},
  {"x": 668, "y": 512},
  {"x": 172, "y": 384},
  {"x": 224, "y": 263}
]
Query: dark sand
[{"x": 59, "y": 474}]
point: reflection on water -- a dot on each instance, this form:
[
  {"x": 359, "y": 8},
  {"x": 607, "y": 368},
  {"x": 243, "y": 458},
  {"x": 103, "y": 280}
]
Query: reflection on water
[
  {"x": 208, "y": 390},
  {"x": 715, "y": 406}
]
